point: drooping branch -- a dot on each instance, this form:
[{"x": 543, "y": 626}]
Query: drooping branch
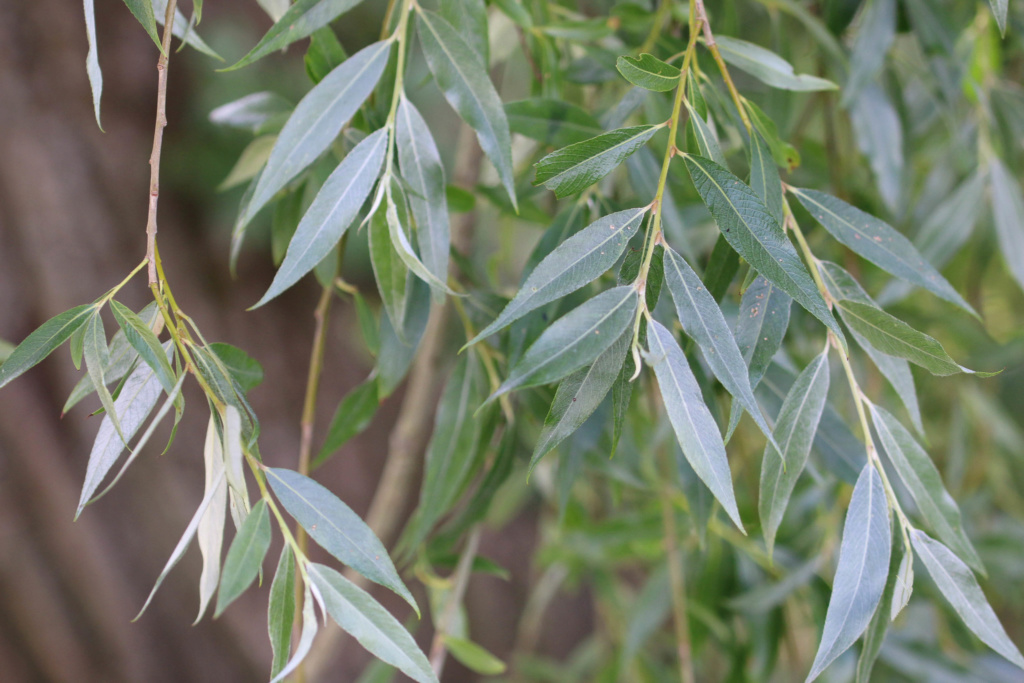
[{"x": 158, "y": 139}]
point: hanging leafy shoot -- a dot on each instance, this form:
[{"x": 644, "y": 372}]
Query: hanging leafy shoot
[{"x": 531, "y": 386}]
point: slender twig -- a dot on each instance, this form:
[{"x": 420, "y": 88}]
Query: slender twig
[
  {"x": 459, "y": 581},
  {"x": 712, "y": 46},
  {"x": 158, "y": 139}
]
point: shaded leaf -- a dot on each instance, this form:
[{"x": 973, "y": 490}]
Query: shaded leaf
[
  {"x": 648, "y": 72},
  {"x": 182, "y": 29},
  {"x": 143, "y": 11},
  {"x": 876, "y": 30},
  {"x": 353, "y": 415},
  {"x": 553, "y": 122},
  {"x": 309, "y": 629},
  {"x": 691, "y": 420},
  {"x": 332, "y": 212},
  {"x": 878, "y": 242},
  {"x": 764, "y": 176},
  {"x": 281, "y": 610},
  {"x": 750, "y": 229},
  {"x": 879, "y": 626},
  {"x": 579, "y": 395},
  {"x": 43, "y": 341},
  {"x": 571, "y": 265},
  {"x": 463, "y": 79},
  {"x": 922, "y": 479},
  {"x": 245, "y": 556},
  {"x": 422, "y": 170},
  {"x": 336, "y": 528},
  {"x": 879, "y": 134},
  {"x": 94, "y": 348},
  {"x": 958, "y": 585},
  {"x": 474, "y": 657},
  {"x": 576, "y": 167},
  {"x": 1008, "y": 213},
  {"x": 370, "y": 624},
  {"x": 862, "y": 570},
  {"x": 768, "y": 67},
  {"x": 243, "y": 368},
  {"x": 141, "y": 338},
  {"x": 316, "y": 121},
  {"x": 299, "y": 21},
  {"x": 389, "y": 270},
  {"x": 795, "y": 428},
  {"x": 574, "y": 340},
  {"x": 250, "y": 162},
  {"x": 704, "y": 137}
]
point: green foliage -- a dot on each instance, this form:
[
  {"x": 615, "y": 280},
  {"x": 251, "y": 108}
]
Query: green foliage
[{"x": 896, "y": 168}]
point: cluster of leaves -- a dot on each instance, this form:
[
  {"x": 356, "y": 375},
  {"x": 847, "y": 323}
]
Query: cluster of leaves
[{"x": 356, "y": 154}]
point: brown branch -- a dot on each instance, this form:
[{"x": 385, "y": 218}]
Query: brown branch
[{"x": 158, "y": 138}]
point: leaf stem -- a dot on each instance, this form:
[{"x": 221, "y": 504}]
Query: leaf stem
[{"x": 712, "y": 46}]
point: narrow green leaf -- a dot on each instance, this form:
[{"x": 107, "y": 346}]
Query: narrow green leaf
[
  {"x": 245, "y": 556},
  {"x": 861, "y": 573},
  {"x": 463, "y": 79},
  {"x": 648, "y": 72},
  {"x": 958, "y": 585},
  {"x": 211, "y": 524},
  {"x": 879, "y": 243},
  {"x": 579, "y": 395},
  {"x": 573, "y": 341},
  {"x": 891, "y": 335},
  {"x": 406, "y": 252},
  {"x": 92, "y": 61},
  {"x": 317, "y": 120},
  {"x": 253, "y": 112},
  {"x": 143, "y": 11},
  {"x": 336, "y": 528},
  {"x": 841, "y": 285},
  {"x": 876, "y": 30},
  {"x": 571, "y": 265},
  {"x": 578, "y": 166},
  {"x": 390, "y": 272},
  {"x": 250, "y": 162},
  {"x": 397, "y": 352},
  {"x": 553, "y": 122},
  {"x": 183, "y": 29},
  {"x": 723, "y": 264},
  {"x": 369, "y": 623},
  {"x": 1000, "y": 9},
  {"x": 76, "y": 346},
  {"x": 691, "y": 420},
  {"x": 332, "y": 212},
  {"x": 422, "y": 169},
  {"x": 879, "y": 626},
  {"x": 324, "y": 53},
  {"x": 474, "y": 657},
  {"x": 309, "y": 629},
  {"x": 94, "y": 349},
  {"x": 301, "y": 20},
  {"x": 1008, "y": 213},
  {"x": 904, "y": 586},
  {"x": 469, "y": 18},
  {"x": 183, "y": 542},
  {"x": 768, "y": 67},
  {"x": 243, "y": 368},
  {"x": 795, "y": 428},
  {"x": 281, "y": 610},
  {"x": 764, "y": 176},
  {"x": 751, "y": 230},
  {"x": 354, "y": 414},
  {"x": 706, "y": 141},
  {"x": 703, "y": 321},
  {"x": 458, "y": 441},
  {"x": 923, "y": 481},
  {"x": 141, "y": 338},
  {"x": 44, "y": 341}
]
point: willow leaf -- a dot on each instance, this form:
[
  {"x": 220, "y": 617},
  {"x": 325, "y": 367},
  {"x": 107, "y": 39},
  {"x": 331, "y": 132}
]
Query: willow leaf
[
  {"x": 44, "y": 341},
  {"x": 862, "y": 570},
  {"x": 648, "y": 72},
  {"x": 576, "y": 167},
  {"x": 571, "y": 265},
  {"x": 245, "y": 556},
  {"x": 691, "y": 420},
  {"x": 281, "y": 610},
  {"x": 768, "y": 67}
]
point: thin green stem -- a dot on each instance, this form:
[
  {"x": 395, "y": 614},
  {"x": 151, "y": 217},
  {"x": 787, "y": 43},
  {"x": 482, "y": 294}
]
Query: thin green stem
[
  {"x": 459, "y": 582},
  {"x": 712, "y": 46}
]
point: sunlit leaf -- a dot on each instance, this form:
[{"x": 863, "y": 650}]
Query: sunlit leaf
[
  {"x": 44, "y": 341},
  {"x": 463, "y": 79},
  {"x": 648, "y": 72},
  {"x": 141, "y": 338},
  {"x": 474, "y": 657},
  {"x": 958, "y": 585},
  {"x": 578, "y": 166},
  {"x": 370, "y": 624},
  {"x": 332, "y": 212},
  {"x": 862, "y": 570},
  {"x": 768, "y": 67},
  {"x": 571, "y": 265},
  {"x": 336, "y": 528},
  {"x": 691, "y": 420},
  {"x": 354, "y": 414},
  {"x": 211, "y": 524},
  {"x": 281, "y": 610}
]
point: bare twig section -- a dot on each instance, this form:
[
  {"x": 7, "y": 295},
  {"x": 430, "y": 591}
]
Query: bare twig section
[
  {"x": 158, "y": 139},
  {"x": 460, "y": 579}
]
